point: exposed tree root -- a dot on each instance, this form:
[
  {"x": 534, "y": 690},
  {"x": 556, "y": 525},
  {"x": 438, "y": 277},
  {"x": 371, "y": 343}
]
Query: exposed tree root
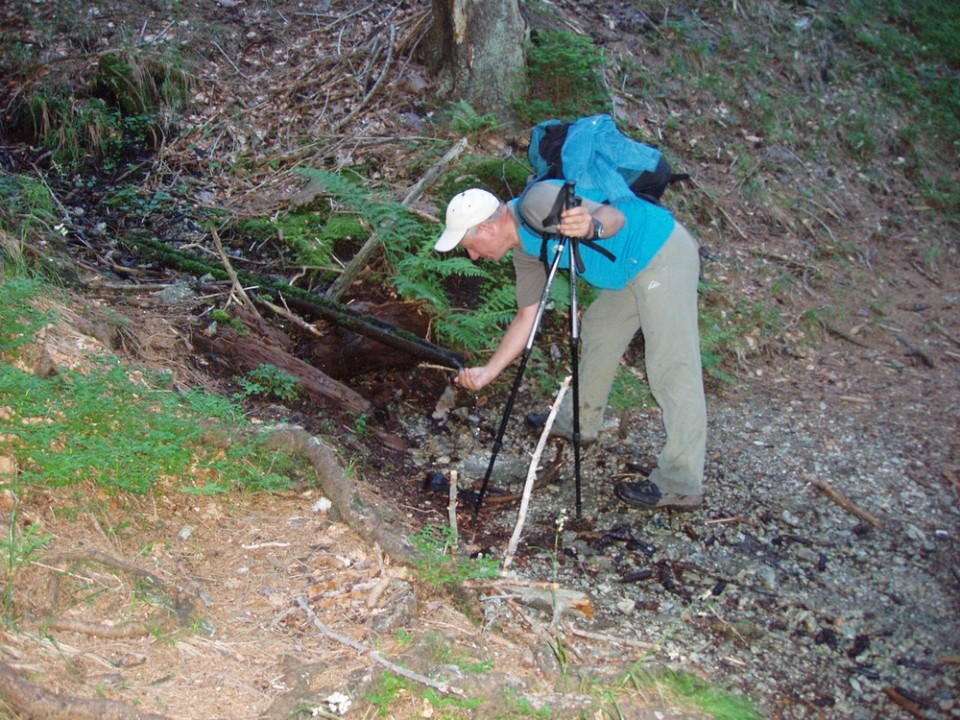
[
  {"x": 102, "y": 630},
  {"x": 353, "y": 509},
  {"x": 32, "y": 702}
]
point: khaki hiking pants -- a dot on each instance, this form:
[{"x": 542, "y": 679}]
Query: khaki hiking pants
[{"x": 662, "y": 303}]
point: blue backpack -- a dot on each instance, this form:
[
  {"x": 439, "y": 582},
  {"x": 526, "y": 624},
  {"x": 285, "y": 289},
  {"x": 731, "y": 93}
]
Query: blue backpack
[{"x": 593, "y": 152}]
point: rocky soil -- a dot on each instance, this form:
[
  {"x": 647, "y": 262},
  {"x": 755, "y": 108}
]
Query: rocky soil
[{"x": 819, "y": 608}]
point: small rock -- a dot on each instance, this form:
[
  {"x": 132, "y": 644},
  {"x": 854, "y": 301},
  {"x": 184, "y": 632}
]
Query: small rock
[{"x": 446, "y": 403}]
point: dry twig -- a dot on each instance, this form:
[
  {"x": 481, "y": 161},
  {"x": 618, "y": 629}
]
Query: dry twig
[
  {"x": 442, "y": 687},
  {"x": 915, "y": 351},
  {"x": 833, "y": 330},
  {"x": 237, "y": 287},
  {"x": 943, "y": 331},
  {"x": 840, "y": 499},
  {"x": 452, "y": 503},
  {"x": 629, "y": 642},
  {"x": 900, "y": 698},
  {"x": 376, "y": 86},
  {"x": 718, "y": 206}
]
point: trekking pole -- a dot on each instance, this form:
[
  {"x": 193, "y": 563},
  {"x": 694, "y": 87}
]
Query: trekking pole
[
  {"x": 576, "y": 266},
  {"x": 527, "y": 350}
]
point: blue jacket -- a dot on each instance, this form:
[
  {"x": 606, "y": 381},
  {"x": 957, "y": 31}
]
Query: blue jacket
[{"x": 646, "y": 231}]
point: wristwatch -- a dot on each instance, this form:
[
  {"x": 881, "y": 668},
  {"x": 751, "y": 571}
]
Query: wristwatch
[{"x": 597, "y": 229}]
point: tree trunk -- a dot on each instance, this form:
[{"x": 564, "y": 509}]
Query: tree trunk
[{"x": 477, "y": 48}]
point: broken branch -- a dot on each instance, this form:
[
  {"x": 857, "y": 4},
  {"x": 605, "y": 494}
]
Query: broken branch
[
  {"x": 442, "y": 687},
  {"x": 532, "y": 474},
  {"x": 915, "y": 351},
  {"x": 840, "y": 499}
]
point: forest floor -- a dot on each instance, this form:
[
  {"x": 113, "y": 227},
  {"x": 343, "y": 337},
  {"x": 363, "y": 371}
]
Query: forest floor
[{"x": 819, "y": 578}]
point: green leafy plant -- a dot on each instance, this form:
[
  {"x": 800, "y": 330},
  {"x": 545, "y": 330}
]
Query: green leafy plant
[
  {"x": 564, "y": 77},
  {"x": 311, "y": 237},
  {"x": 269, "y": 380},
  {"x": 419, "y": 273},
  {"x": 222, "y": 317},
  {"x": 387, "y": 691},
  {"x": 361, "y": 425},
  {"x": 439, "y": 565},
  {"x": 467, "y": 121},
  {"x": 133, "y": 199}
]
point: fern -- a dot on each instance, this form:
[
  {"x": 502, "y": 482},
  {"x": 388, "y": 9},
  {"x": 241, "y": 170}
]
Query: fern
[
  {"x": 421, "y": 276},
  {"x": 419, "y": 273},
  {"x": 467, "y": 121},
  {"x": 480, "y": 329}
]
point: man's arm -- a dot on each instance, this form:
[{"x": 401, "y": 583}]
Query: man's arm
[
  {"x": 578, "y": 221},
  {"x": 511, "y": 346}
]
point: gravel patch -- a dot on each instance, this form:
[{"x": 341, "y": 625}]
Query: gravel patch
[{"x": 771, "y": 588}]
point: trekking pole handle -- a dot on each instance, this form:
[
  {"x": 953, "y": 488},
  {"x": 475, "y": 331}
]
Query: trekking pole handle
[{"x": 570, "y": 200}]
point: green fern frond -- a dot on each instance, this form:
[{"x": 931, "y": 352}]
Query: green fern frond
[{"x": 420, "y": 273}]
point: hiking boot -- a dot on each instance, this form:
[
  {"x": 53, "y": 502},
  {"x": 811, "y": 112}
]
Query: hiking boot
[
  {"x": 647, "y": 496},
  {"x": 538, "y": 420},
  {"x": 639, "y": 469}
]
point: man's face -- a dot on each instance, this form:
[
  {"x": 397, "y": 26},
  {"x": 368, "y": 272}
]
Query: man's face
[{"x": 486, "y": 243}]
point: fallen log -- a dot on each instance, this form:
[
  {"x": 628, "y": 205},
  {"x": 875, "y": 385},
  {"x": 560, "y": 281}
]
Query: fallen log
[
  {"x": 245, "y": 353},
  {"x": 309, "y": 305},
  {"x": 316, "y": 307},
  {"x": 345, "y": 355}
]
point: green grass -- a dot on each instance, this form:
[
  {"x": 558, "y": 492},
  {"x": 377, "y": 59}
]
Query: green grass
[
  {"x": 115, "y": 426},
  {"x": 564, "y": 77},
  {"x": 630, "y": 391},
  {"x": 685, "y": 689},
  {"x": 438, "y": 562},
  {"x": 103, "y": 112}
]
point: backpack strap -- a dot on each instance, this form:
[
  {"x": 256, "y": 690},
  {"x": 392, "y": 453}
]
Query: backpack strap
[{"x": 553, "y": 218}]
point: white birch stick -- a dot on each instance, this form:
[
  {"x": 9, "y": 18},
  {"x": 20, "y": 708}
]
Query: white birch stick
[{"x": 532, "y": 474}]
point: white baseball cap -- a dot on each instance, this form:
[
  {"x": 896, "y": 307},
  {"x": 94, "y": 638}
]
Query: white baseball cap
[{"x": 466, "y": 209}]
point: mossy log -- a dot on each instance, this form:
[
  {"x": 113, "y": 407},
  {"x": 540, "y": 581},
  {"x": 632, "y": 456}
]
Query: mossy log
[{"x": 309, "y": 305}]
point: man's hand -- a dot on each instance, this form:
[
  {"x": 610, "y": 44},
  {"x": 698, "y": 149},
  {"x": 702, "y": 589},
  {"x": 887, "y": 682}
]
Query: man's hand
[
  {"x": 576, "y": 222},
  {"x": 475, "y": 378}
]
